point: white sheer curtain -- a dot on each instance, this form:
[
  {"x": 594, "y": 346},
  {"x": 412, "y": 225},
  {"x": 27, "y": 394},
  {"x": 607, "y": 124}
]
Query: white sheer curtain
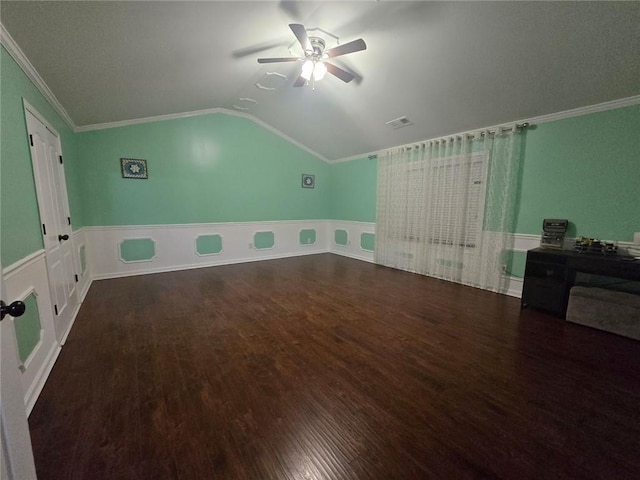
[{"x": 446, "y": 207}]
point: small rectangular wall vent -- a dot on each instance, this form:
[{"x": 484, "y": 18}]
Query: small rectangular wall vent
[{"x": 399, "y": 123}]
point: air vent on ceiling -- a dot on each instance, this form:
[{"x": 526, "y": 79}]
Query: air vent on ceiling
[
  {"x": 399, "y": 122},
  {"x": 271, "y": 81},
  {"x": 244, "y": 104}
]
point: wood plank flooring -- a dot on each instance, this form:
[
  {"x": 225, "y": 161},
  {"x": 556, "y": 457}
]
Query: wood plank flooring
[{"x": 323, "y": 367}]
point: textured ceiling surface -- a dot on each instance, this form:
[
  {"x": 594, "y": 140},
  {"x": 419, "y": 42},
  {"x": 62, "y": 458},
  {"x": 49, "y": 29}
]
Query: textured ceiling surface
[{"x": 449, "y": 67}]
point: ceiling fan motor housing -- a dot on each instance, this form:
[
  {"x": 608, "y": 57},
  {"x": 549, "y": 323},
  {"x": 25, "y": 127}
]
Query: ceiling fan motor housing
[{"x": 318, "y": 45}]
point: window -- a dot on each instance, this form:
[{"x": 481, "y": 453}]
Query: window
[
  {"x": 456, "y": 200},
  {"x": 447, "y": 199}
]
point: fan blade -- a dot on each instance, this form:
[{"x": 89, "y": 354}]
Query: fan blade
[
  {"x": 260, "y": 47},
  {"x": 300, "y": 82},
  {"x": 350, "y": 47},
  {"x": 301, "y": 34},
  {"x": 343, "y": 63},
  {"x": 276, "y": 60},
  {"x": 340, "y": 73}
]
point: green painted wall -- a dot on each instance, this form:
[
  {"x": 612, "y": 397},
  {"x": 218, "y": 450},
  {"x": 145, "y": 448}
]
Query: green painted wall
[
  {"x": 209, "y": 244},
  {"x": 28, "y": 328},
  {"x": 585, "y": 169},
  {"x": 209, "y": 168},
  {"x": 220, "y": 168},
  {"x": 515, "y": 262},
  {"x": 368, "y": 241},
  {"x": 352, "y": 190},
  {"x": 307, "y": 237},
  {"x": 137, "y": 249},
  {"x": 262, "y": 240},
  {"x": 341, "y": 237},
  {"x": 83, "y": 259},
  {"x": 19, "y": 217}
]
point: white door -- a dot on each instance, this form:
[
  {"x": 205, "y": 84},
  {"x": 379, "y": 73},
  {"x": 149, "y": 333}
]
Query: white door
[
  {"x": 48, "y": 170},
  {"x": 16, "y": 461}
]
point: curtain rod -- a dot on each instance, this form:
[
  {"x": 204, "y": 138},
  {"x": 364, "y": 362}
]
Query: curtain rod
[
  {"x": 483, "y": 132},
  {"x": 519, "y": 126}
]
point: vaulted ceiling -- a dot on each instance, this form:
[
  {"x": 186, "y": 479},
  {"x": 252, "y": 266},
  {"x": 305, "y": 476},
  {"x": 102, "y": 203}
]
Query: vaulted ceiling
[{"x": 448, "y": 67}]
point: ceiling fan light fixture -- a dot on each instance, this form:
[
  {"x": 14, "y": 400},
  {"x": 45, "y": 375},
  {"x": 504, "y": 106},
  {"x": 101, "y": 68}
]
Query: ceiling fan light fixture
[
  {"x": 320, "y": 71},
  {"x": 314, "y": 69},
  {"x": 313, "y": 66},
  {"x": 307, "y": 70}
]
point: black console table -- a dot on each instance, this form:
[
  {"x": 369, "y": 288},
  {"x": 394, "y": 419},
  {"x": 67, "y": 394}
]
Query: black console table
[{"x": 550, "y": 274}]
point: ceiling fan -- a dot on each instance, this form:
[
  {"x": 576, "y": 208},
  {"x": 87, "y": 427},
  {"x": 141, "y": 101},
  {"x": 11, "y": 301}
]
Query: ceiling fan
[{"x": 315, "y": 64}]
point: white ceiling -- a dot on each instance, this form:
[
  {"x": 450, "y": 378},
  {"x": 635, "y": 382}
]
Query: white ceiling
[{"x": 449, "y": 67}]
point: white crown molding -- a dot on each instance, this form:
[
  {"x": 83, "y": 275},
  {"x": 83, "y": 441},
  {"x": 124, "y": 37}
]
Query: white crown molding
[
  {"x": 195, "y": 113},
  {"x": 21, "y": 59},
  {"x": 361, "y": 156},
  {"x": 27, "y": 67},
  {"x": 23, "y": 62},
  {"x": 157, "y": 118},
  {"x": 550, "y": 117},
  {"x": 578, "y": 112}
]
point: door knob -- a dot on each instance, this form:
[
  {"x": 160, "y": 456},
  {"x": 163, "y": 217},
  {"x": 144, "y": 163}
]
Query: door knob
[
  {"x": 63, "y": 237},
  {"x": 16, "y": 309}
]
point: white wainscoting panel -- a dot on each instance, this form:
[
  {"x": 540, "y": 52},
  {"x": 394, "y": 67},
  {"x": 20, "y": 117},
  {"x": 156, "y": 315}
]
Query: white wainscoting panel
[
  {"x": 175, "y": 245},
  {"x": 23, "y": 278},
  {"x": 521, "y": 243},
  {"x": 354, "y": 230},
  {"x": 84, "y": 275}
]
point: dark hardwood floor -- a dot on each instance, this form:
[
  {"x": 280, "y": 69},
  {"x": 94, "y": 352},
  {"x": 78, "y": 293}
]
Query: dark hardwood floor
[{"x": 323, "y": 367}]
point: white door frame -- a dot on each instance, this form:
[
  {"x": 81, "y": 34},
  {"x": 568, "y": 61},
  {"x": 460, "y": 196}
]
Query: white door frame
[{"x": 53, "y": 207}]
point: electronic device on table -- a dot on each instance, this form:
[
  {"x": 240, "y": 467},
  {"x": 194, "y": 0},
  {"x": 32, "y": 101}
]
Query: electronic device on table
[
  {"x": 593, "y": 245},
  {"x": 553, "y": 232}
]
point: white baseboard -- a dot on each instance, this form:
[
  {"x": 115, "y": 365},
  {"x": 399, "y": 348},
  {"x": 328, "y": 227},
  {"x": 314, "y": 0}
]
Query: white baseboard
[
  {"x": 177, "y": 268},
  {"x": 85, "y": 290},
  {"x": 63, "y": 340},
  {"x": 515, "y": 287},
  {"x": 32, "y": 394},
  {"x": 362, "y": 258}
]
